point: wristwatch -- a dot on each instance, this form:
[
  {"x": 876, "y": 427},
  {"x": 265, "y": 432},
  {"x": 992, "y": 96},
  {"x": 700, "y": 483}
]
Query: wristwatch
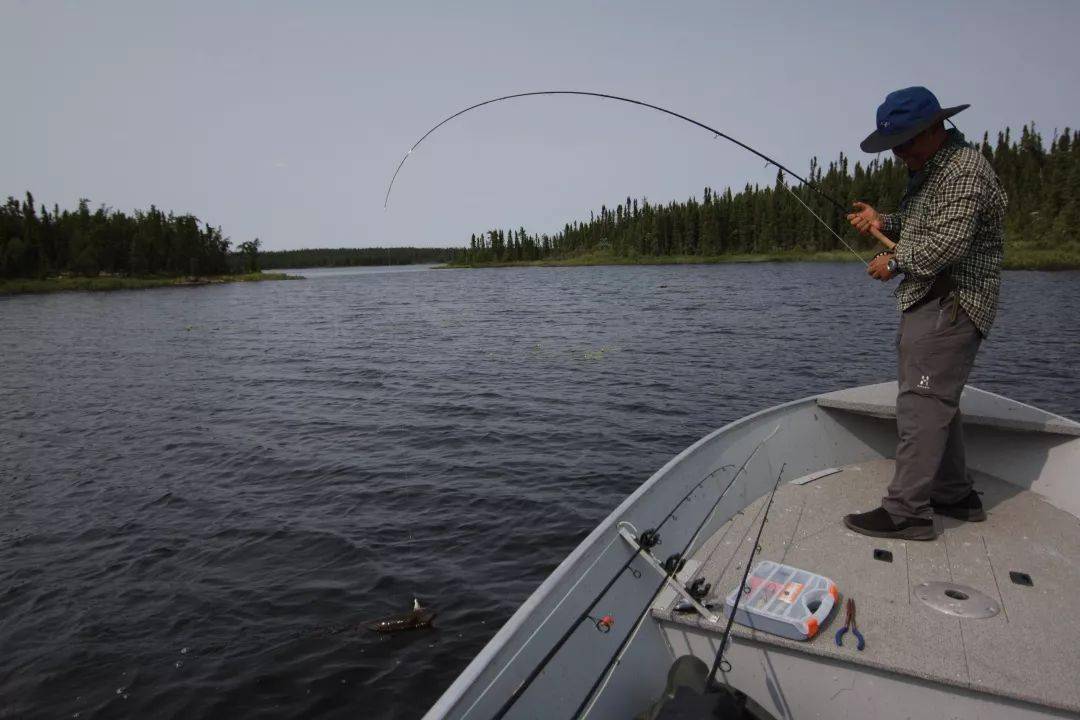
[{"x": 892, "y": 266}]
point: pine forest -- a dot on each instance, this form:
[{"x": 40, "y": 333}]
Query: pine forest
[{"x": 1043, "y": 185}]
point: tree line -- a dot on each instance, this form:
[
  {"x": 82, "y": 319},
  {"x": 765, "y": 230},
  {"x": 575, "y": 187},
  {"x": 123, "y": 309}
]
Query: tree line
[
  {"x": 36, "y": 242},
  {"x": 352, "y": 257},
  {"x": 1042, "y": 181},
  {"x": 1043, "y": 184}
]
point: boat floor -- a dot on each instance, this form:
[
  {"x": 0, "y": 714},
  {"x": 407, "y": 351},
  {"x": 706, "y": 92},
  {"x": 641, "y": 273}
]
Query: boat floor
[{"x": 1030, "y": 651}]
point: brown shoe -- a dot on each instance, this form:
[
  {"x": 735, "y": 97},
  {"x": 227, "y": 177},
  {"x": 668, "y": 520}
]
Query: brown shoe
[
  {"x": 879, "y": 523},
  {"x": 969, "y": 508}
]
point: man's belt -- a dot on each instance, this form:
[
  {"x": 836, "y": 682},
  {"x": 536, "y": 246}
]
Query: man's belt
[{"x": 943, "y": 285}]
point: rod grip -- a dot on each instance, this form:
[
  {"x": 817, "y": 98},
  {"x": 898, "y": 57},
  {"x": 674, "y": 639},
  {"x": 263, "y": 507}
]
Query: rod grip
[{"x": 882, "y": 238}]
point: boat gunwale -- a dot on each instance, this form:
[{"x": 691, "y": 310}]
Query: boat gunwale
[
  {"x": 466, "y": 681},
  {"x": 456, "y": 692}
]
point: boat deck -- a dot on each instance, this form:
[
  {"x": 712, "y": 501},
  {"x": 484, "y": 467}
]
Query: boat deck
[{"x": 1030, "y": 651}]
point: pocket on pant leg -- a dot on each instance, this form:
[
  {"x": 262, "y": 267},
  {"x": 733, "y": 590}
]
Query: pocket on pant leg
[{"x": 939, "y": 361}]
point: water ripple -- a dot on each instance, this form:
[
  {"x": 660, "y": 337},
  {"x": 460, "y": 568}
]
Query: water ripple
[{"x": 204, "y": 495}]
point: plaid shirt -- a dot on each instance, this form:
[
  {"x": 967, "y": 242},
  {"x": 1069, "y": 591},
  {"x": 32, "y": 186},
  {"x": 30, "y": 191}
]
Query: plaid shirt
[{"x": 950, "y": 220}]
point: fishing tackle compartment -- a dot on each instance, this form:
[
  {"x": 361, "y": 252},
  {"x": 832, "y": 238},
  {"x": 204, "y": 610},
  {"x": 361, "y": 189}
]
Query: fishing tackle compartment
[{"x": 784, "y": 601}]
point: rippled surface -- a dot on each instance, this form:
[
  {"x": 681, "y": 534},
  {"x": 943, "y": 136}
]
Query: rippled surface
[{"x": 204, "y": 491}]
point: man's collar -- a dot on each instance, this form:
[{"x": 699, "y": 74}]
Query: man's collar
[{"x": 954, "y": 140}]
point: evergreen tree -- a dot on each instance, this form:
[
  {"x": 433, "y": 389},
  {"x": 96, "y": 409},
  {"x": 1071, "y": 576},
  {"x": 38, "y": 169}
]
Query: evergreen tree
[
  {"x": 1043, "y": 185},
  {"x": 37, "y": 243},
  {"x": 249, "y": 251}
]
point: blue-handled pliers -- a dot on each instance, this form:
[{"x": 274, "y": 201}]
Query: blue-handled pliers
[{"x": 849, "y": 624}]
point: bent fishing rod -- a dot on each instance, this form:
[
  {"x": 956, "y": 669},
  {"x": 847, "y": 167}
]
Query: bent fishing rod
[{"x": 878, "y": 235}]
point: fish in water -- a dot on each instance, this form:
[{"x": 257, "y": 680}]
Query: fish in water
[{"x": 419, "y": 617}]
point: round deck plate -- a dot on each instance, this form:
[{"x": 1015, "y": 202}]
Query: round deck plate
[{"x": 957, "y": 600}]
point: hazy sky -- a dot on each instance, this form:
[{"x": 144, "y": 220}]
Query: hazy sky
[{"x": 286, "y": 120}]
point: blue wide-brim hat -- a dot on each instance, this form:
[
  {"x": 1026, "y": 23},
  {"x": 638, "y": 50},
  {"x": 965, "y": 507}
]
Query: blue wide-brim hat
[{"x": 904, "y": 114}]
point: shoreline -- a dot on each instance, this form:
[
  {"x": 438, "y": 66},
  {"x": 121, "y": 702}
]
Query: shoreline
[
  {"x": 1016, "y": 258},
  {"x": 26, "y": 286}
]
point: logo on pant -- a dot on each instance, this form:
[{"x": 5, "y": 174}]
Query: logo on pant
[{"x": 924, "y": 383}]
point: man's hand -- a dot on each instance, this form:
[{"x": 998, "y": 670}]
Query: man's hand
[
  {"x": 879, "y": 267},
  {"x": 864, "y": 218}
]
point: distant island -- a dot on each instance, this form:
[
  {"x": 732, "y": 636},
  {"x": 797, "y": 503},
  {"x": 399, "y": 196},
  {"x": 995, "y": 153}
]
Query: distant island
[
  {"x": 44, "y": 250},
  {"x": 768, "y": 224},
  {"x": 105, "y": 249},
  {"x": 356, "y": 257}
]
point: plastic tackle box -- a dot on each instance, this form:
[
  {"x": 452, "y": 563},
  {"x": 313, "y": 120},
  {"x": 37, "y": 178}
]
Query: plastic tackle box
[{"x": 784, "y": 601}]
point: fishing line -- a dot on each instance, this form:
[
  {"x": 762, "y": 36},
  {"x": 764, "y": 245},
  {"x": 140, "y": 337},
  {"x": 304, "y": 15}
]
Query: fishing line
[
  {"x": 539, "y": 627},
  {"x": 712, "y": 512},
  {"x": 719, "y": 662},
  {"x": 520, "y": 690},
  {"x": 605, "y": 675},
  {"x": 716, "y": 133},
  {"x": 599, "y": 556},
  {"x": 528, "y": 681},
  {"x": 829, "y": 227},
  {"x": 590, "y": 701}
]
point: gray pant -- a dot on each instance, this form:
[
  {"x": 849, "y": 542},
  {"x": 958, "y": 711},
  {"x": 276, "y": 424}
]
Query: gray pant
[{"x": 937, "y": 345}]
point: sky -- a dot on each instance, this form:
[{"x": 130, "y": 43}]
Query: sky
[{"x": 285, "y": 121}]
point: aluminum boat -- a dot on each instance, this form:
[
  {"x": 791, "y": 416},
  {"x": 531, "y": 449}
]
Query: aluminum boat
[{"x": 983, "y": 622}]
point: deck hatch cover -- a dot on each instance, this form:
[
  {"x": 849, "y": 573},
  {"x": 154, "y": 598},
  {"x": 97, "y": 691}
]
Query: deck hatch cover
[{"x": 957, "y": 600}]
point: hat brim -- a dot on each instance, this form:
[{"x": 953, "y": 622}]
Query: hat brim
[{"x": 877, "y": 142}]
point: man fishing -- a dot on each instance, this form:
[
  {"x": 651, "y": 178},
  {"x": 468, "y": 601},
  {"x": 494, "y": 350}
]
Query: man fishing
[{"x": 949, "y": 246}]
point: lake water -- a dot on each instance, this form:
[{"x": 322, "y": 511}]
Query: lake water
[{"x": 205, "y": 492}]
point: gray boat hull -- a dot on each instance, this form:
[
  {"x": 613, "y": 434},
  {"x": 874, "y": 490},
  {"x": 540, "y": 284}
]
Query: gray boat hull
[{"x": 1036, "y": 450}]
